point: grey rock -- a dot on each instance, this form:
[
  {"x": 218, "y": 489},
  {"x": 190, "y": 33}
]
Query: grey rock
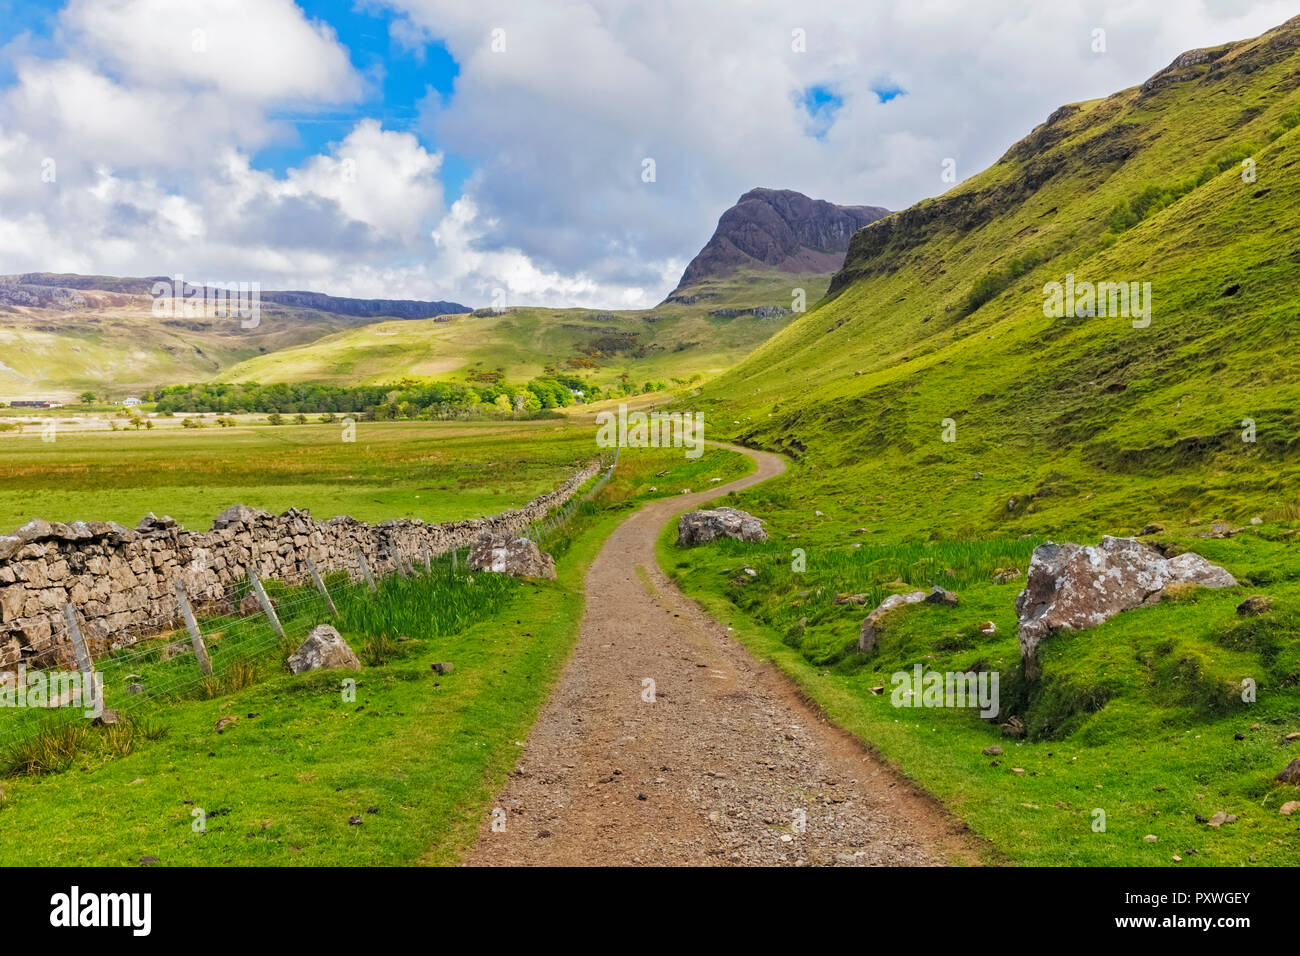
[
  {"x": 938, "y": 595},
  {"x": 518, "y": 557},
  {"x": 324, "y": 648},
  {"x": 238, "y": 514},
  {"x": 869, "y": 633},
  {"x": 1076, "y": 587},
  {"x": 701, "y": 527}
]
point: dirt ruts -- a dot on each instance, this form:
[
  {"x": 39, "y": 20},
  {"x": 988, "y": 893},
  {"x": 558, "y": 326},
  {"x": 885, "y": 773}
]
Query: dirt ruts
[{"x": 725, "y": 766}]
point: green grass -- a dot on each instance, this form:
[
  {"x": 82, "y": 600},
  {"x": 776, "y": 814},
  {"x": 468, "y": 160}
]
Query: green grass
[
  {"x": 279, "y": 786},
  {"x": 1159, "y": 750},
  {"x": 1064, "y": 429},
  {"x": 435, "y": 471},
  {"x": 671, "y": 341},
  {"x": 118, "y": 350}
]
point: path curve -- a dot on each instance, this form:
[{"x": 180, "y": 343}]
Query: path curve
[{"x": 720, "y": 768}]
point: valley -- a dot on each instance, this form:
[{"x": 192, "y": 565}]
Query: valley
[{"x": 1091, "y": 339}]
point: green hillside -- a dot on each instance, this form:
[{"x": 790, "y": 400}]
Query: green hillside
[
  {"x": 118, "y": 348},
  {"x": 1067, "y": 428},
  {"x": 675, "y": 340}
]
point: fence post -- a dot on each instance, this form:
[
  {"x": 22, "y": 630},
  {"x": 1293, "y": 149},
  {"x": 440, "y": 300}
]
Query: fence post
[
  {"x": 365, "y": 570},
  {"x": 265, "y": 601},
  {"x": 396, "y": 556},
  {"x": 453, "y": 559},
  {"x": 428, "y": 560},
  {"x": 320, "y": 586},
  {"x": 84, "y": 663},
  {"x": 200, "y": 649}
]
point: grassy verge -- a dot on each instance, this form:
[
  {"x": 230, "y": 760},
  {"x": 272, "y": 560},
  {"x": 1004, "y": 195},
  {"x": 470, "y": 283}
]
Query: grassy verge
[{"x": 1137, "y": 718}]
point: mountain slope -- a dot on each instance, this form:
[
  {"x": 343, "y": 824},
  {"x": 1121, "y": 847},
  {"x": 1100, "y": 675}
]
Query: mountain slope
[
  {"x": 774, "y": 237},
  {"x": 671, "y": 342},
  {"x": 938, "y": 314},
  {"x": 62, "y": 334}
]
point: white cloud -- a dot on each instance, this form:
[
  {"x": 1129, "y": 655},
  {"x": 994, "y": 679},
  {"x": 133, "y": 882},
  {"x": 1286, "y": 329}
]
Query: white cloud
[{"x": 152, "y": 125}]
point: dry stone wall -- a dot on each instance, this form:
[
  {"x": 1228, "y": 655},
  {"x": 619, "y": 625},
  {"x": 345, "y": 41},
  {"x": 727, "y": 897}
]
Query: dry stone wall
[{"x": 122, "y": 581}]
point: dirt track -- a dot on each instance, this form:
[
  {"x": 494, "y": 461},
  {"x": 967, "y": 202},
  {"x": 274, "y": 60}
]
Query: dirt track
[{"x": 715, "y": 771}]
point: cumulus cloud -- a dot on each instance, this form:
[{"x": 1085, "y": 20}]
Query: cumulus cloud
[
  {"x": 559, "y": 103},
  {"x": 149, "y": 112}
]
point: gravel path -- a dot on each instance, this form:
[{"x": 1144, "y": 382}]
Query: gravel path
[{"x": 727, "y": 766}]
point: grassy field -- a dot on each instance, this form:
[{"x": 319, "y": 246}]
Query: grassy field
[
  {"x": 436, "y": 471},
  {"x": 416, "y": 756}
]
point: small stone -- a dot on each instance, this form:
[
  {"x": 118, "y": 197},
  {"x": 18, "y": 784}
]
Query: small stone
[
  {"x": 443, "y": 667},
  {"x": 225, "y": 722},
  {"x": 938, "y": 595},
  {"x": 1254, "y": 605},
  {"x": 1288, "y": 808},
  {"x": 135, "y": 688},
  {"x": 1151, "y": 838},
  {"x": 107, "y": 718},
  {"x": 354, "y": 821},
  {"x": 993, "y": 751},
  {"x": 1018, "y": 771},
  {"x": 1290, "y": 773},
  {"x": 641, "y": 796},
  {"x": 149, "y": 861}
]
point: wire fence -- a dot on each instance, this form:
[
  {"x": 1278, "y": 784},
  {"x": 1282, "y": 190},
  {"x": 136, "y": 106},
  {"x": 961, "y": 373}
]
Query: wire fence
[
  {"x": 545, "y": 530},
  {"x": 157, "y": 657}
]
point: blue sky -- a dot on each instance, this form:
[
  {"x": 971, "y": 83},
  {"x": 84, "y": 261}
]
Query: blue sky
[{"x": 398, "y": 78}]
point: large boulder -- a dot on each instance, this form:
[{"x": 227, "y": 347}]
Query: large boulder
[
  {"x": 700, "y": 527},
  {"x": 518, "y": 557},
  {"x": 869, "y": 634},
  {"x": 323, "y": 649},
  {"x": 1075, "y": 587}
]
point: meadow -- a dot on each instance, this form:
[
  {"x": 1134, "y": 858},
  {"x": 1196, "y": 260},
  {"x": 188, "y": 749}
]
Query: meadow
[
  {"x": 416, "y": 757},
  {"x": 434, "y": 471}
]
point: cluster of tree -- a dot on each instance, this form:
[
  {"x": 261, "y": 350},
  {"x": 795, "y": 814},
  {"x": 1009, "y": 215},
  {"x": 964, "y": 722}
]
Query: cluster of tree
[{"x": 403, "y": 400}]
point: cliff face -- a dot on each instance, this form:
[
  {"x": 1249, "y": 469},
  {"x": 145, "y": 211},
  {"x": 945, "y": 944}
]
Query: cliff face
[{"x": 783, "y": 230}]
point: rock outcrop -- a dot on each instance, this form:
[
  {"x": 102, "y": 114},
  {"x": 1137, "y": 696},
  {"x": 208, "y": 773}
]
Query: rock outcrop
[
  {"x": 779, "y": 229},
  {"x": 324, "y": 649},
  {"x": 701, "y": 527},
  {"x": 1075, "y": 587},
  {"x": 505, "y": 554}
]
